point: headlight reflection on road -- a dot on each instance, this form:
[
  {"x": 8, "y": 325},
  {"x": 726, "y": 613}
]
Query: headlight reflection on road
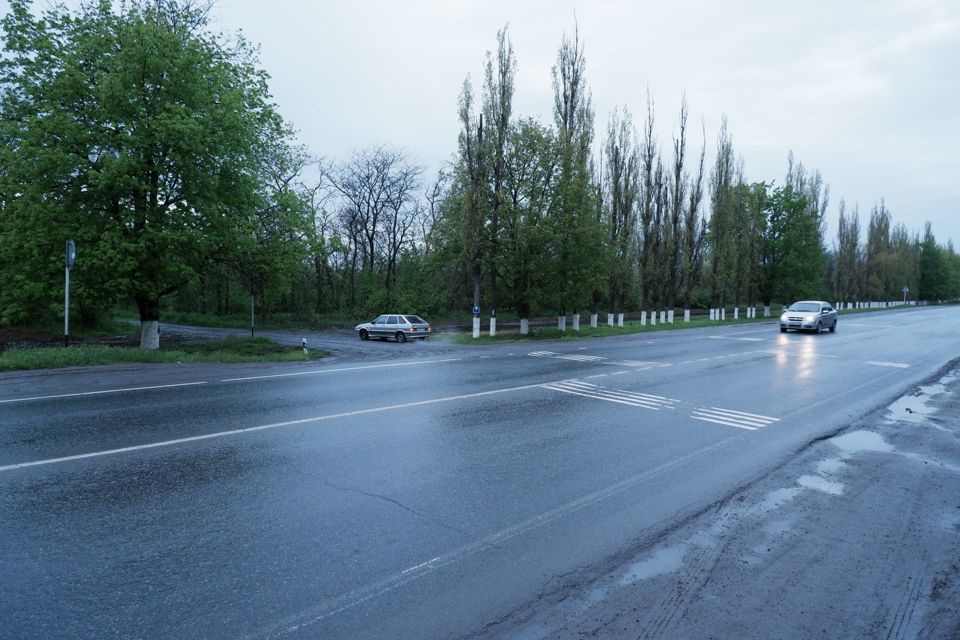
[{"x": 802, "y": 361}]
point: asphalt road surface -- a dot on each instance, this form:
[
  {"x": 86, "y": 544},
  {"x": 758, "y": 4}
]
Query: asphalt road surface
[{"x": 407, "y": 490}]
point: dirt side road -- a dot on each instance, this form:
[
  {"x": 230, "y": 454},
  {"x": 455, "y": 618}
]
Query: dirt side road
[{"x": 858, "y": 537}]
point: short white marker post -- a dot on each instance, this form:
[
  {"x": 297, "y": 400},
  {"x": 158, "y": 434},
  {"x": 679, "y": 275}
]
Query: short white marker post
[{"x": 304, "y": 342}]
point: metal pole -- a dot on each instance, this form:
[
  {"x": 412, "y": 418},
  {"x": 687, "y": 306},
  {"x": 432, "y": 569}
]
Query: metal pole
[
  {"x": 251, "y": 314},
  {"x": 66, "y": 310}
]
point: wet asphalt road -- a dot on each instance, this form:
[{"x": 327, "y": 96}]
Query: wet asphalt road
[{"x": 403, "y": 491}]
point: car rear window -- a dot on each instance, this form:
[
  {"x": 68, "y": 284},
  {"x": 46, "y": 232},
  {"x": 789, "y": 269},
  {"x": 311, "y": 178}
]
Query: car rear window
[{"x": 416, "y": 320}]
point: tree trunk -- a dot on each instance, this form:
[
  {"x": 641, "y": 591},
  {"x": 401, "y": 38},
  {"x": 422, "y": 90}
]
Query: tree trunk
[{"x": 149, "y": 322}]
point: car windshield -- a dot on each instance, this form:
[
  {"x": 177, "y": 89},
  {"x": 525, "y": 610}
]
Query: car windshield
[
  {"x": 804, "y": 307},
  {"x": 416, "y": 320}
]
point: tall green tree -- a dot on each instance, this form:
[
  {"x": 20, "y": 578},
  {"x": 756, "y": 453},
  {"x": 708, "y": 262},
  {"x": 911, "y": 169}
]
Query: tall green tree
[
  {"x": 501, "y": 70},
  {"x": 794, "y": 259},
  {"x": 577, "y": 234},
  {"x": 723, "y": 216},
  {"x": 135, "y": 131}
]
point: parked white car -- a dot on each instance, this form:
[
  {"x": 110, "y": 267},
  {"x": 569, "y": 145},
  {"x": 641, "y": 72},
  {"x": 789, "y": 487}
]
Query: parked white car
[{"x": 400, "y": 327}]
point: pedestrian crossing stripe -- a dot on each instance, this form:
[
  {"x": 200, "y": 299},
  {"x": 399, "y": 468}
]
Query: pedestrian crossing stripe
[
  {"x": 588, "y": 390},
  {"x": 738, "y": 419}
]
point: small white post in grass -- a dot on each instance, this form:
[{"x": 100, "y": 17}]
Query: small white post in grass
[
  {"x": 643, "y": 318},
  {"x": 766, "y": 311},
  {"x": 609, "y": 319},
  {"x": 304, "y": 342},
  {"x": 576, "y": 322},
  {"x": 653, "y": 318},
  {"x": 736, "y": 313},
  {"x": 493, "y": 326},
  {"x": 476, "y": 327},
  {"x": 723, "y": 314},
  {"x": 562, "y": 323},
  {"x": 524, "y": 326},
  {"x": 593, "y": 321},
  {"x": 670, "y": 316},
  {"x": 619, "y": 319},
  {"x": 686, "y": 315}
]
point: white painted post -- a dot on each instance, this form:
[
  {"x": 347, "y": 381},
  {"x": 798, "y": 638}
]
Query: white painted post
[
  {"x": 304, "y": 341},
  {"x": 619, "y": 319},
  {"x": 713, "y": 314},
  {"x": 766, "y": 311},
  {"x": 643, "y": 318},
  {"x": 576, "y": 322},
  {"x": 524, "y": 326},
  {"x": 663, "y": 317},
  {"x": 493, "y": 326},
  {"x": 686, "y": 315},
  {"x": 653, "y": 318},
  {"x": 593, "y": 321},
  {"x": 723, "y": 314},
  {"x": 150, "y": 335},
  {"x": 736, "y": 313},
  {"x": 476, "y": 327},
  {"x": 609, "y": 319},
  {"x": 562, "y": 323},
  {"x": 670, "y": 316}
]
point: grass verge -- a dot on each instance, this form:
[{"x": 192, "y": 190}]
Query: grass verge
[{"x": 227, "y": 351}]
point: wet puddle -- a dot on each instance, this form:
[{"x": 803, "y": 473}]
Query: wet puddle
[{"x": 663, "y": 561}]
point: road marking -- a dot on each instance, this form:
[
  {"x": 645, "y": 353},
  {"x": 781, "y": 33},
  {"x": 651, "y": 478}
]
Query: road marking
[
  {"x": 738, "y": 419},
  {"x": 896, "y": 365},
  {"x": 738, "y": 338},
  {"x": 589, "y": 390},
  {"x": 264, "y": 427},
  {"x": 105, "y": 391},
  {"x": 775, "y": 352},
  {"x": 339, "y": 370}
]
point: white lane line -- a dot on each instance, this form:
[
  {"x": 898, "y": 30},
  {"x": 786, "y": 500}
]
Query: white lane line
[
  {"x": 326, "y": 609},
  {"x": 895, "y": 365},
  {"x": 599, "y": 375},
  {"x": 105, "y": 391},
  {"x": 341, "y": 369},
  {"x": 264, "y": 427},
  {"x": 738, "y": 338}
]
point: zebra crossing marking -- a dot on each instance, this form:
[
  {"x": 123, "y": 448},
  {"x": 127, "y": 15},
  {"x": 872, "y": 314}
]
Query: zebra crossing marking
[
  {"x": 589, "y": 390},
  {"x": 730, "y": 418}
]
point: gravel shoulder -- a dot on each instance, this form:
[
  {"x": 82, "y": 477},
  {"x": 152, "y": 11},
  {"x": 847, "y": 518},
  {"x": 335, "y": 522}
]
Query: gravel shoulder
[{"x": 858, "y": 536}]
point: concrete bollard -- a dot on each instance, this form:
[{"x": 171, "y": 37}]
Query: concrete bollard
[
  {"x": 619, "y": 319},
  {"x": 686, "y": 315},
  {"x": 304, "y": 341},
  {"x": 576, "y": 322},
  {"x": 493, "y": 326},
  {"x": 643, "y": 318},
  {"x": 609, "y": 319},
  {"x": 524, "y": 326}
]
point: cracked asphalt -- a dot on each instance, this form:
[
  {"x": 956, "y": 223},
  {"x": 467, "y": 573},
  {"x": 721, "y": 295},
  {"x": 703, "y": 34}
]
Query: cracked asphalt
[{"x": 680, "y": 484}]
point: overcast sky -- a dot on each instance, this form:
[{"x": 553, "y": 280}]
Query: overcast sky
[{"x": 866, "y": 91}]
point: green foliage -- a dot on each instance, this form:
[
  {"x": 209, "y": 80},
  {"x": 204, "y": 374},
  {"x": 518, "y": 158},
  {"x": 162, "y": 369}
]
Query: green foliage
[
  {"x": 141, "y": 136},
  {"x": 793, "y": 257}
]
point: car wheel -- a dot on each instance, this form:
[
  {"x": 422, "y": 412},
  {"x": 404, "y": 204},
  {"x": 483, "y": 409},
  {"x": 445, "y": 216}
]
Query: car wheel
[
  {"x": 782, "y": 330},
  {"x": 401, "y": 336},
  {"x": 818, "y": 329},
  {"x": 834, "y": 327},
  {"x": 364, "y": 335}
]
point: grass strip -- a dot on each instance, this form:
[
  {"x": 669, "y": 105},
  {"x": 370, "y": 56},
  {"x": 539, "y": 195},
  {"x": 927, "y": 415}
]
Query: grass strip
[{"x": 228, "y": 351}]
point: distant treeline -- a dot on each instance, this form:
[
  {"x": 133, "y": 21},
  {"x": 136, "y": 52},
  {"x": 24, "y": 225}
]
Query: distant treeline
[{"x": 151, "y": 142}]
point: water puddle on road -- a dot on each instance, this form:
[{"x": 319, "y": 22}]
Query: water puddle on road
[
  {"x": 859, "y": 441},
  {"x": 663, "y": 561},
  {"x": 821, "y": 484},
  {"x": 913, "y": 408}
]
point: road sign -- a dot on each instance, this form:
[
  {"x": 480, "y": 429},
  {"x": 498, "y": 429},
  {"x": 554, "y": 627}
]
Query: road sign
[
  {"x": 71, "y": 253},
  {"x": 476, "y": 310}
]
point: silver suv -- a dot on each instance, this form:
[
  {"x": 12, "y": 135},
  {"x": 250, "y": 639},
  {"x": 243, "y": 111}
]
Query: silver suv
[{"x": 396, "y": 326}]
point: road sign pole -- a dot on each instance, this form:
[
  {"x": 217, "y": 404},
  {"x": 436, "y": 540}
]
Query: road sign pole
[
  {"x": 71, "y": 255},
  {"x": 66, "y": 310}
]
